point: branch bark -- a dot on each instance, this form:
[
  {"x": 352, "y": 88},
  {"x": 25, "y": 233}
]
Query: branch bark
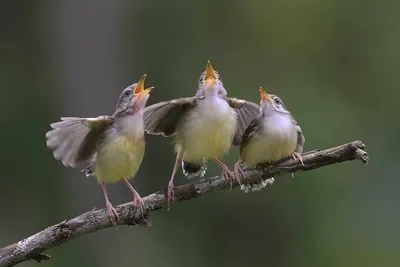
[{"x": 32, "y": 248}]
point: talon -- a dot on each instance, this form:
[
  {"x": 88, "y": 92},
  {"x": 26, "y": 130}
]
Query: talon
[
  {"x": 138, "y": 201},
  {"x": 238, "y": 172},
  {"x": 112, "y": 213},
  {"x": 228, "y": 175},
  {"x": 171, "y": 194},
  {"x": 298, "y": 156}
]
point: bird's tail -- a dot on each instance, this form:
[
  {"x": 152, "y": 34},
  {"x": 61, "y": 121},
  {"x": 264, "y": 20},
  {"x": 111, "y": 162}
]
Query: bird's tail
[
  {"x": 194, "y": 169},
  {"x": 89, "y": 170},
  {"x": 256, "y": 186}
]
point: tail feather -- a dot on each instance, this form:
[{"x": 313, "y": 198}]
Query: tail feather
[
  {"x": 194, "y": 169},
  {"x": 89, "y": 170}
]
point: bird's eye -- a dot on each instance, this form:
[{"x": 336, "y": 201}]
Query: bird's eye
[
  {"x": 127, "y": 92},
  {"x": 277, "y": 101}
]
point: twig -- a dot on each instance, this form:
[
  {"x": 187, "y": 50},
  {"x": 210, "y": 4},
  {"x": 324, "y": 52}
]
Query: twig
[{"x": 91, "y": 221}]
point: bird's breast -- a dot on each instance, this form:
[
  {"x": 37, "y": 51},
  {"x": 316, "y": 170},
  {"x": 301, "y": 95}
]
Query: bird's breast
[
  {"x": 120, "y": 156},
  {"x": 277, "y": 139},
  {"x": 207, "y": 131}
]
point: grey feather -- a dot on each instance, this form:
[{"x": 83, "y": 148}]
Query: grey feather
[
  {"x": 246, "y": 112},
  {"x": 164, "y": 117},
  {"x": 300, "y": 139},
  {"x": 73, "y": 140},
  {"x": 250, "y": 132}
]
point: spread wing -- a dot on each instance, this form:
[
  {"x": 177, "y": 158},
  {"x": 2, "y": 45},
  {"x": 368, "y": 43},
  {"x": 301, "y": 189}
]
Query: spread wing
[
  {"x": 246, "y": 111},
  {"x": 163, "y": 118},
  {"x": 74, "y": 140}
]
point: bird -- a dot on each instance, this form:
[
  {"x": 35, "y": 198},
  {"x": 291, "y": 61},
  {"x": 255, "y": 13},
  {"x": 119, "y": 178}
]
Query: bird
[
  {"x": 270, "y": 137},
  {"x": 111, "y": 148},
  {"x": 203, "y": 126}
]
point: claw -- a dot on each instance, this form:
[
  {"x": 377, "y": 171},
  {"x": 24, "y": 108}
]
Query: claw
[
  {"x": 138, "y": 201},
  {"x": 297, "y": 155},
  {"x": 238, "y": 171},
  {"x": 111, "y": 210},
  {"x": 226, "y": 173},
  {"x": 171, "y": 194},
  {"x": 112, "y": 213}
]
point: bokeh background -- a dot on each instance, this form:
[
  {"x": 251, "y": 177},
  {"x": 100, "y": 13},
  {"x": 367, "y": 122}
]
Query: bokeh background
[{"x": 334, "y": 63}]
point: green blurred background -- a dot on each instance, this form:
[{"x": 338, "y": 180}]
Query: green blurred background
[{"x": 334, "y": 63}]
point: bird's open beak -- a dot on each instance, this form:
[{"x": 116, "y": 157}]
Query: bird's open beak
[
  {"x": 139, "y": 90},
  {"x": 265, "y": 96},
  {"x": 210, "y": 73}
]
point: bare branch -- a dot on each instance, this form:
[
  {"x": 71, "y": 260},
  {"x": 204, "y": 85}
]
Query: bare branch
[{"x": 32, "y": 248}]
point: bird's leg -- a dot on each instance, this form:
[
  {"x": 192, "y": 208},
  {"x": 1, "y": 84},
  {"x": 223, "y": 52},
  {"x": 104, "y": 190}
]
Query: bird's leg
[
  {"x": 137, "y": 200},
  {"x": 238, "y": 171},
  {"x": 111, "y": 210},
  {"x": 226, "y": 173},
  {"x": 295, "y": 156},
  {"x": 178, "y": 161}
]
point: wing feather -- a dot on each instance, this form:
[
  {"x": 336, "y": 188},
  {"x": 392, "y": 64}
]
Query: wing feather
[
  {"x": 246, "y": 111},
  {"x": 74, "y": 140},
  {"x": 163, "y": 118}
]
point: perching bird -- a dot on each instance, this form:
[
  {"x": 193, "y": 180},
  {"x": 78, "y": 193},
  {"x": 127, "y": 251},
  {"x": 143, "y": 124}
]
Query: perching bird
[
  {"x": 204, "y": 126},
  {"x": 111, "y": 147},
  {"x": 270, "y": 137}
]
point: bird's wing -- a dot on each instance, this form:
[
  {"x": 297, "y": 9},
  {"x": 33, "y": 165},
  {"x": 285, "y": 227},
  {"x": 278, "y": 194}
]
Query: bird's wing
[
  {"x": 300, "y": 138},
  {"x": 74, "y": 140},
  {"x": 246, "y": 112},
  {"x": 163, "y": 118},
  {"x": 250, "y": 132}
]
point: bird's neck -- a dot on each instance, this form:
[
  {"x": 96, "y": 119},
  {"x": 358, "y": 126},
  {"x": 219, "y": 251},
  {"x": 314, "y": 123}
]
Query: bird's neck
[
  {"x": 277, "y": 121},
  {"x": 130, "y": 125}
]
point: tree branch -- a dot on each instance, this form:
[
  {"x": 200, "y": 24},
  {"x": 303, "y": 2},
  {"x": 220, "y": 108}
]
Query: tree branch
[{"x": 91, "y": 221}]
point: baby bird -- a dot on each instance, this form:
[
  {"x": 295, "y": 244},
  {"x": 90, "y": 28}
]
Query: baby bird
[
  {"x": 111, "y": 147},
  {"x": 270, "y": 137},
  {"x": 204, "y": 126}
]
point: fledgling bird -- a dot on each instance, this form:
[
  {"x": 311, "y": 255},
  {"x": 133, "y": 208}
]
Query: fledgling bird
[
  {"x": 272, "y": 136},
  {"x": 204, "y": 126},
  {"x": 109, "y": 147}
]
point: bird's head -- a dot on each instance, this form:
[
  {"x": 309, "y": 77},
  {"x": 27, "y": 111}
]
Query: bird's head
[
  {"x": 271, "y": 103},
  {"x": 133, "y": 98},
  {"x": 210, "y": 84}
]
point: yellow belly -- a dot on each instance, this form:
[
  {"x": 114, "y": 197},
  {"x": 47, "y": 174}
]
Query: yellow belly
[
  {"x": 207, "y": 133},
  {"x": 119, "y": 158},
  {"x": 268, "y": 150}
]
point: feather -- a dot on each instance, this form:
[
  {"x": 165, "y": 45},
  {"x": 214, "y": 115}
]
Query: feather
[
  {"x": 73, "y": 140},
  {"x": 163, "y": 118},
  {"x": 246, "y": 111}
]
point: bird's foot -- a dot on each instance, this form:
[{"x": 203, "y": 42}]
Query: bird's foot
[
  {"x": 138, "y": 201},
  {"x": 112, "y": 213},
  {"x": 297, "y": 155},
  {"x": 238, "y": 171},
  {"x": 171, "y": 194},
  {"x": 228, "y": 175}
]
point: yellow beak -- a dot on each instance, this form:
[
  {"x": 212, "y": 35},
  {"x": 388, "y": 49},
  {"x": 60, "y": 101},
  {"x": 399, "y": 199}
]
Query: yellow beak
[
  {"x": 139, "y": 90},
  {"x": 210, "y": 73},
  {"x": 265, "y": 96}
]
